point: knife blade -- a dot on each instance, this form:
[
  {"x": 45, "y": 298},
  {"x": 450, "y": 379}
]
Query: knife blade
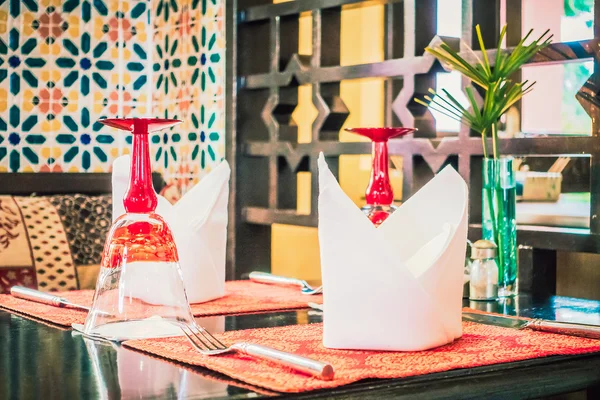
[
  {"x": 561, "y": 328},
  {"x": 496, "y": 320}
]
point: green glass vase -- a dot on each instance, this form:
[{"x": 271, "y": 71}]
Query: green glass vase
[{"x": 499, "y": 220}]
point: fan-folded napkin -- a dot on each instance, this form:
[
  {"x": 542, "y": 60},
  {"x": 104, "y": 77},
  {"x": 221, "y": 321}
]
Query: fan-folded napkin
[
  {"x": 397, "y": 286},
  {"x": 199, "y": 225}
]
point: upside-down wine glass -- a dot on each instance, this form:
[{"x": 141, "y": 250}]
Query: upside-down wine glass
[
  {"x": 139, "y": 252},
  {"x": 379, "y": 194}
]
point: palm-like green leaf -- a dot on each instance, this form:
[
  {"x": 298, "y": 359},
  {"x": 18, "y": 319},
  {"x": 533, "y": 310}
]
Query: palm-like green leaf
[
  {"x": 500, "y": 92},
  {"x": 486, "y": 61},
  {"x": 454, "y": 61}
]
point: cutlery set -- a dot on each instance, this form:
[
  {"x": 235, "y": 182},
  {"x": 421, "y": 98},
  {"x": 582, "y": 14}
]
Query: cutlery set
[{"x": 207, "y": 344}]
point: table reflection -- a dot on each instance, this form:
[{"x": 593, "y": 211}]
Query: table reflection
[
  {"x": 555, "y": 308},
  {"x": 37, "y": 359},
  {"x": 40, "y": 361},
  {"x": 124, "y": 373}
]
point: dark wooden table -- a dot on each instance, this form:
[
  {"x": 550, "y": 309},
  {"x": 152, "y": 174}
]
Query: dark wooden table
[{"x": 38, "y": 361}]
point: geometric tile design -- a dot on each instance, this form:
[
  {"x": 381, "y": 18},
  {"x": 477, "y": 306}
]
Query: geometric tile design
[
  {"x": 65, "y": 64},
  {"x": 188, "y": 83}
]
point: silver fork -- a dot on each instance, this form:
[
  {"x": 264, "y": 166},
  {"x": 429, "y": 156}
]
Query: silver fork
[
  {"x": 264, "y": 277},
  {"x": 208, "y": 345}
]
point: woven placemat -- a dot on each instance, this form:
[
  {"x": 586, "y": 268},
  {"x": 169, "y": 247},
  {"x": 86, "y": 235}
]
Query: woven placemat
[
  {"x": 480, "y": 345},
  {"x": 241, "y": 297}
]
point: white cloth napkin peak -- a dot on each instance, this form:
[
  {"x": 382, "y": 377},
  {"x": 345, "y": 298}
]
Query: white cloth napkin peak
[
  {"x": 199, "y": 225},
  {"x": 397, "y": 286}
]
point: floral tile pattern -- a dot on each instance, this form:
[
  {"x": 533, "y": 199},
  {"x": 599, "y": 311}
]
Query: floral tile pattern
[
  {"x": 64, "y": 64},
  {"x": 61, "y": 68},
  {"x": 188, "y": 83}
]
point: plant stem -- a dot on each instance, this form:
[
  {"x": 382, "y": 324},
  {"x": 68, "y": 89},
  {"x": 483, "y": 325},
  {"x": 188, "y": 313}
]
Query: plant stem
[
  {"x": 495, "y": 140},
  {"x": 484, "y": 144},
  {"x": 500, "y": 219},
  {"x": 490, "y": 197},
  {"x": 490, "y": 190}
]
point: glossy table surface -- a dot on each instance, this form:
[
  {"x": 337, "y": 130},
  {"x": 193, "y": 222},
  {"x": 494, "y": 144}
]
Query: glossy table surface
[{"x": 41, "y": 361}]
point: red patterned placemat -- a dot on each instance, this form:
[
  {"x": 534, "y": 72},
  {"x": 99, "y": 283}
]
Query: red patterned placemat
[
  {"x": 241, "y": 297},
  {"x": 480, "y": 345},
  {"x": 247, "y": 297},
  {"x": 55, "y": 315}
]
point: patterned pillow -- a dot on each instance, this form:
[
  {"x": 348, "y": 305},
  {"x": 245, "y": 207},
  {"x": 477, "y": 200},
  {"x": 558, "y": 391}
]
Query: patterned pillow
[
  {"x": 34, "y": 250},
  {"x": 52, "y": 243},
  {"x": 87, "y": 220}
]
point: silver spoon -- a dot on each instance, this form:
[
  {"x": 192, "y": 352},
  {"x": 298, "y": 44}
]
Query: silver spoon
[{"x": 264, "y": 277}]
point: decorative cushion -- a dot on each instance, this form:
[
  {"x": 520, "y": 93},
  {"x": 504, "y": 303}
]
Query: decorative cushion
[
  {"x": 87, "y": 220},
  {"x": 34, "y": 250},
  {"x": 52, "y": 243}
]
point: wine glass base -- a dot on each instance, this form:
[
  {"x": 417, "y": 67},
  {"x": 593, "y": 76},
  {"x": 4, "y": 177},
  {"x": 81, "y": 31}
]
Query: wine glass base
[{"x": 379, "y": 213}]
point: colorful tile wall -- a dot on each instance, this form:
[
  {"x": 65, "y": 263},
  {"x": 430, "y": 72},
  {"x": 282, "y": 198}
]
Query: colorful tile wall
[
  {"x": 188, "y": 83},
  {"x": 65, "y": 64}
]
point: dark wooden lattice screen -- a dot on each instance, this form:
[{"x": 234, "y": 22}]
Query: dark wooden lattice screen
[{"x": 265, "y": 69}]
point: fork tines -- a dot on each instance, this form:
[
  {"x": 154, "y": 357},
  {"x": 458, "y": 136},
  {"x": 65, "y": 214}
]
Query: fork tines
[{"x": 199, "y": 337}]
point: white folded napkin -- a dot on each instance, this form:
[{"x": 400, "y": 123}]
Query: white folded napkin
[
  {"x": 199, "y": 225},
  {"x": 397, "y": 286}
]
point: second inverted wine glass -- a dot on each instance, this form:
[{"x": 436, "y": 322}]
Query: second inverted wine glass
[{"x": 379, "y": 194}]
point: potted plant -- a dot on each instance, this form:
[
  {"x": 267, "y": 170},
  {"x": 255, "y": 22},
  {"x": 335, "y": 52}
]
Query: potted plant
[{"x": 499, "y": 93}]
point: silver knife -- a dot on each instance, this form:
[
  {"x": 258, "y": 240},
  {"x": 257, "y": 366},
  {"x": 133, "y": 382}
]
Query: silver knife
[
  {"x": 44, "y": 298},
  {"x": 561, "y": 328}
]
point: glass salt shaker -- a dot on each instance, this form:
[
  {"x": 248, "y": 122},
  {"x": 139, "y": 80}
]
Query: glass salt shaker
[{"x": 484, "y": 271}]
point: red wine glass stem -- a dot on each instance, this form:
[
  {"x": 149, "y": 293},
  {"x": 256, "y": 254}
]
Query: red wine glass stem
[
  {"x": 140, "y": 196},
  {"x": 379, "y": 191}
]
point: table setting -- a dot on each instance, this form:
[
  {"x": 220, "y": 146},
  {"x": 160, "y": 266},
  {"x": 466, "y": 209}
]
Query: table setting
[
  {"x": 240, "y": 297},
  {"x": 399, "y": 268}
]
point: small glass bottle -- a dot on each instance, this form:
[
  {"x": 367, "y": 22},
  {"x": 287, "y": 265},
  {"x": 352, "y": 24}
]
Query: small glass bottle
[{"x": 484, "y": 271}]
